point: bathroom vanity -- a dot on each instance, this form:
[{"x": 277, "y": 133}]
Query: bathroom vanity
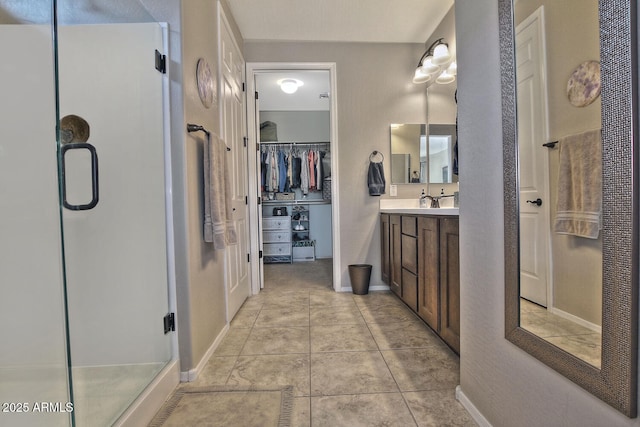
[{"x": 420, "y": 263}]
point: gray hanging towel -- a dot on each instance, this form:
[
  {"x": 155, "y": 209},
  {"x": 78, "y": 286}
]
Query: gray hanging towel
[{"x": 375, "y": 175}]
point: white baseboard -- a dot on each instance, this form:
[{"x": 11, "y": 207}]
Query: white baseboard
[
  {"x": 575, "y": 319},
  {"x": 191, "y": 375},
  {"x": 145, "y": 407},
  {"x": 371, "y": 288},
  {"x": 470, "y": 407}
]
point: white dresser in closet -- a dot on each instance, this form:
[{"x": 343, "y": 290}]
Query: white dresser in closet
[{"x": 276, "y": 238}]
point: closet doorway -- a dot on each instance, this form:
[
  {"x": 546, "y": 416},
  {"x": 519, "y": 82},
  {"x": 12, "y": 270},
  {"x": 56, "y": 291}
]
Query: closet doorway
[{"x": 293, "y": 176}]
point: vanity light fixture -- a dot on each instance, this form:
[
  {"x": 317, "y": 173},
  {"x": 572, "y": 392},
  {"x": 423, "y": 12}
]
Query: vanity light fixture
[
  {"x": 436, "y": 65},
  {"x": 290, "y": 85}
]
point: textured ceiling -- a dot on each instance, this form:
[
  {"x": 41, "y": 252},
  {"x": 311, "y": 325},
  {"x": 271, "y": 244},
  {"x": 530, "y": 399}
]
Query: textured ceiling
[{"x": 391, "y": 21}]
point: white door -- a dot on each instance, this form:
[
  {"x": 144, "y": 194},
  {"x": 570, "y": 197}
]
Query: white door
[
  {"x": 233, "y": 134},
  {"x": 533, "y": 157}
]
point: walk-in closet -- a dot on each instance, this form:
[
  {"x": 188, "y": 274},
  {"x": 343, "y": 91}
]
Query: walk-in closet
[{"x": 294, "y": 170}]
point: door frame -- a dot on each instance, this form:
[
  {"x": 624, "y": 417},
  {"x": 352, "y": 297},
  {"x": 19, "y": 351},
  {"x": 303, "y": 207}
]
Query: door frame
[{"x": 253, "y": 68}]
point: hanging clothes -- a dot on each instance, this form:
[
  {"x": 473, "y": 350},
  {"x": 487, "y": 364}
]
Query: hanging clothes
[
  {"x": 296, "y": 170},
  {"x": 312, "y": 175},
  {"x": 282, "y": 170},
  {"x": 274, "y": 171},
  {"x": 263, "y": 169},
  {"x": 319, "y": 176},
  {"x": 304, "y": 173}
]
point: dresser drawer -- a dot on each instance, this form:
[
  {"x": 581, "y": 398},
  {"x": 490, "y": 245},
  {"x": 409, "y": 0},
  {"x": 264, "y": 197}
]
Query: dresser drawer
[
  {"x": 276, "y": 236},
  {"x": 273, "y": 249},
  {"x": 280, "y": 223}
]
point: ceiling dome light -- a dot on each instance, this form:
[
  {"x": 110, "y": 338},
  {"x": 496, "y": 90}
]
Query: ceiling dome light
[{"x": 290, "y": 85}]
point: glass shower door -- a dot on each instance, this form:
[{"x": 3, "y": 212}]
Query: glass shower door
[
  {"x": 114, "y": 215},
  {"x": 83, "y": 236},
  {"x": 33, "y": 358}
]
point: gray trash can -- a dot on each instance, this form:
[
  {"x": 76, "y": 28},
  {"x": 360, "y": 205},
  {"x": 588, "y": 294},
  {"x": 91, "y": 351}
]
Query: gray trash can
[{"x": 360, "y": 274}]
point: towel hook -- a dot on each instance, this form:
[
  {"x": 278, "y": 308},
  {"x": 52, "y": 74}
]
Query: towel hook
[{"x": 374, "y": 154}]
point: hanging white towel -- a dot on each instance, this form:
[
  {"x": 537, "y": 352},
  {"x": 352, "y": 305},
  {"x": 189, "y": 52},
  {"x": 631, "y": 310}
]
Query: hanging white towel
[
  {"x": 579, "y": 208},
  {"x": 218, "y": 214}
]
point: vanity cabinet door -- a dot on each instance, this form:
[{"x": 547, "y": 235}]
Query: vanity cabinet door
[
  {"x": 409, "y": 261},
  {"x": 396, "y": 254},
  {"x": 410, "y": 289},
  {"x": 385, "y": 250},
  {"x": 450, "y": 282},
  {"x": 428, "y": 271}
]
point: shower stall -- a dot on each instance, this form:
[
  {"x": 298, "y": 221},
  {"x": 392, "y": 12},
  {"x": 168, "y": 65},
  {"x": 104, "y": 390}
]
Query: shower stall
[{"x": 85, "y": 272}]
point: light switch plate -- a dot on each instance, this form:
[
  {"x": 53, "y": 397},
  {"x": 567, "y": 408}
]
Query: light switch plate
[{"x": 393, "y": 190}]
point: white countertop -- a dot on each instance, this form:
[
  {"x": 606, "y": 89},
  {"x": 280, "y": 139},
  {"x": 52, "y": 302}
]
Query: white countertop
[{"x": 412, "y": 206}]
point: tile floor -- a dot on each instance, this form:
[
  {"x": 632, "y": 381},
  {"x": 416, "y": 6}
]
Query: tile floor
[
  {"x": 352, "y": 360},
  {"x": 569, "y": 336}
]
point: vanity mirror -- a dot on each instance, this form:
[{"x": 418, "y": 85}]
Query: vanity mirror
[
  {"x": 610, "y": 373},
  {"x": 418, "y": 156}
]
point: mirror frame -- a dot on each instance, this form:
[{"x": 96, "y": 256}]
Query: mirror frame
[{"x": 616, "y": 381}]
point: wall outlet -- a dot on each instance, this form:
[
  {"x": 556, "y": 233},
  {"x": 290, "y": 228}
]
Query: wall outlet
[{"x": 393, "y": 190}]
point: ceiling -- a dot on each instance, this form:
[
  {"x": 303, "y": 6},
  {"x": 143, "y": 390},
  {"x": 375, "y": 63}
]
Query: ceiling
[
  {"x": 374, "y": 21},
  {"x": 384, "y": 21},
  {"x": 306, "y": 98}
]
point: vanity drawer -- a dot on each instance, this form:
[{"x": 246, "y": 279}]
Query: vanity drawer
[
  {"x": 409, "y": 226},
  {"x": 273, "y": 249},
  {"x": 276, "y": 236},
  {"x": 280, "y": 223}
]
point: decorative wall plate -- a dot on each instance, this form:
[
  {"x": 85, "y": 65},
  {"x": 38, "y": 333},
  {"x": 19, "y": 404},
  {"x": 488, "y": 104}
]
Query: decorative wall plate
[
  {"x": 583, "y": 86},
  {"x": 206, "y": 84}
]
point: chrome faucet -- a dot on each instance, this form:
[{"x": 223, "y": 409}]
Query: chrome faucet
[{"x": 435, "y": 200}]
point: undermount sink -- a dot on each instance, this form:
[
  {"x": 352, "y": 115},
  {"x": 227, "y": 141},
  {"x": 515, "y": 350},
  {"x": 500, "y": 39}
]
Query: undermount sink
[{"x": 412, "y": 206}]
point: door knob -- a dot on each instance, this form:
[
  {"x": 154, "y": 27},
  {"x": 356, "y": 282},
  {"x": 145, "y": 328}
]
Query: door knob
[{"x": 537, "y": 201}]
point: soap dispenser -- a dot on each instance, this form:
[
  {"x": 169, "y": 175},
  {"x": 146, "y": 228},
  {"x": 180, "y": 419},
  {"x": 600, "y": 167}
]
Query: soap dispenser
[{"x": 423, "y": 199}]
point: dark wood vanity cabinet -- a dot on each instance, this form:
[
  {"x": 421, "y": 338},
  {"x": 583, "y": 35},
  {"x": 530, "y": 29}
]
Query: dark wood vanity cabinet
[
  {"x": 422, "y": 253},
  {"x": 409, "y": 257},
  {"x": 395, "y": 253},
  {"x": 449, "y": 328},
  {"x": 385, "y": 239},
  {"x": 429, "y": 271}
]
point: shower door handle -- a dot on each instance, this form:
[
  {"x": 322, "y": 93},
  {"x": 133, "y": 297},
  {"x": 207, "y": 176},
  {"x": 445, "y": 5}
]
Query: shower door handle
[{"x": 94, "y": 175}]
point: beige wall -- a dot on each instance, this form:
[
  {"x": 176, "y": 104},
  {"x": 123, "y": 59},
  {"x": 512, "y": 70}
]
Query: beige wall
[
  {"x": 441, "y": 106},
  {"x": 199, "y": 269},
  {"x": 509, "y": 387},
  {"x": 374, "y": 89},
  {"x": 571, "y": 38}
]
